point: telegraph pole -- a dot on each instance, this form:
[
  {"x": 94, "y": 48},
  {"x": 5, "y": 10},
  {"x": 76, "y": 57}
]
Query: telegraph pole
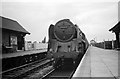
[{"x": 104, "y": 43}]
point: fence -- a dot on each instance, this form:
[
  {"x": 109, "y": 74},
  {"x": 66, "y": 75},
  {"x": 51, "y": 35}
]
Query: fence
[{"x": 35, "y": 46}]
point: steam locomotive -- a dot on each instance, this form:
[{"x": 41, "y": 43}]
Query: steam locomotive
[{"x": 67, "y": 43}]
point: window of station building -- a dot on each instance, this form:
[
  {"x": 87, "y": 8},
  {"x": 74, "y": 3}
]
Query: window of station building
[{"x": 13, "y": 40}]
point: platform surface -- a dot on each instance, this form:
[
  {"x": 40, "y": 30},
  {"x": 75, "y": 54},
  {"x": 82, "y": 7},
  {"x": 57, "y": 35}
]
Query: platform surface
[
  {"x": 22, "y": 53},
  {"x": 98, "y": 63}
]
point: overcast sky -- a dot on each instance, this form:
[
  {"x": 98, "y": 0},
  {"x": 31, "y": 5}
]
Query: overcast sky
[{"x": 94, "y": 17}]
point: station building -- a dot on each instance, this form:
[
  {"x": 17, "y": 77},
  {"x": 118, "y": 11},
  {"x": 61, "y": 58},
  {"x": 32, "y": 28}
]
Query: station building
[
  {"x": 116, "y": 30},
  {"x": 12, "y": 35}
]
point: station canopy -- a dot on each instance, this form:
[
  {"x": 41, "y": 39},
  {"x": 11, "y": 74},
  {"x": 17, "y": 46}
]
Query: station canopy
[
  {"x": 12, "y": 25},
  {"x": 116, "y": 28}
]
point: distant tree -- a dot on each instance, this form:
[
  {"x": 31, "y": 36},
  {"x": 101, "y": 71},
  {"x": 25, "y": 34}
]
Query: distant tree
[{"x": 44, "y": 40}]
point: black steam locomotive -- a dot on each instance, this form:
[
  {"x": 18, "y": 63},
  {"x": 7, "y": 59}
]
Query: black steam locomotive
[{"x": 67, "y": 43}]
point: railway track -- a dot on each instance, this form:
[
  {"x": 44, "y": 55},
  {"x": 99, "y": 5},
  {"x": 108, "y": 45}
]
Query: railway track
[
  {"x": 35, "y": 69},
  {"x": 41, "y": 69},
  {"x": 61, "y": 73}
]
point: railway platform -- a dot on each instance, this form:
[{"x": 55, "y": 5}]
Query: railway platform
[
  {"x": 22, "y": 53},
  {"x": 98, "y": 63}
]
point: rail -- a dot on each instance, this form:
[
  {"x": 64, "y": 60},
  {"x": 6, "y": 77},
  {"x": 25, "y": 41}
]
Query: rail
[
  {"x": 22, "y": 71},
  {"x": 59, "y": 73}
]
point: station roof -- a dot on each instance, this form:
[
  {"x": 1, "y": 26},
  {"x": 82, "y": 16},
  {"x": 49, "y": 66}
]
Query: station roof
[
  {"x": 116, "y": 28},
  {"x": 12, "y": 25}
]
